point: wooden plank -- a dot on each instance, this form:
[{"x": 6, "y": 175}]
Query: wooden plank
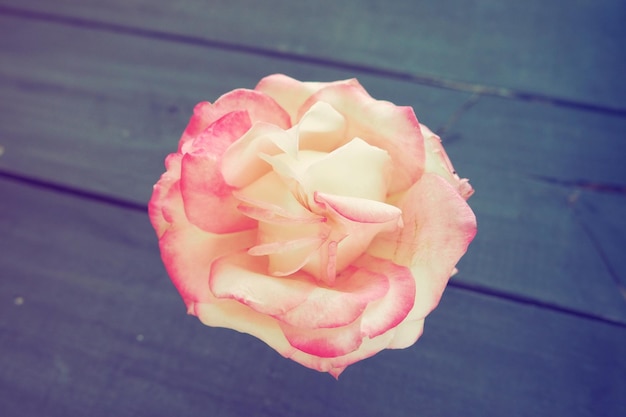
[
  {"x": 74, "y": 101},
  {"x": 552, "y": 244},
  {"x": 572, "y": 52},
  {"x": 100, "y": 111},
  {"x": 550, "y": 185},
  {"x": 90, "y": 325}
]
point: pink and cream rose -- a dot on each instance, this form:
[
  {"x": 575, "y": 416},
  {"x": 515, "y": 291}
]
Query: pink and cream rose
[{"x": 312, "y": 216}]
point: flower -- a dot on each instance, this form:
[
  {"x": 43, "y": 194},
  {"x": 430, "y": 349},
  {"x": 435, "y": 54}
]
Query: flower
[{"x": 312, "y": 216}]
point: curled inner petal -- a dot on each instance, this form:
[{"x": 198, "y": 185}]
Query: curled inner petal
[
  {"x": 354, "y": 223},
  {"x": 261, "y": 139},
  {"x": 322, "y": 128},
  {"x": 356, "y": 169},
  {"x": 381, "y": 124}
]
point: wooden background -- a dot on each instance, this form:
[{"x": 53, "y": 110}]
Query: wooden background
[{"x": 530, "y": 97}]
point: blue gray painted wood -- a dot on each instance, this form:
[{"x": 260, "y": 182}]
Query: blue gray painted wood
[{"x": 94, "y": 94}]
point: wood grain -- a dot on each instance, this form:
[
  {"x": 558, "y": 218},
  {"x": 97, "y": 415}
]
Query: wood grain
[{"x": 570, "y": 51}]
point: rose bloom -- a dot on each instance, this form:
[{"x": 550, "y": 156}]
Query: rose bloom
[{"x": 312, "y": 216}]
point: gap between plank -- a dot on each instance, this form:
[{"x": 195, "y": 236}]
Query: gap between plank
[
  {"x": 73, "y": 191},
  {"x": 406, "y": 76},
  {"x": 477, "y": 289}
]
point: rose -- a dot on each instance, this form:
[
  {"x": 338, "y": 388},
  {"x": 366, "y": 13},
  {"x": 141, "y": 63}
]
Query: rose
[{"x": 312, "y": 216}]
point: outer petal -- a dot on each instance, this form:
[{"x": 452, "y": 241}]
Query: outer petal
[
  {"x": 208, "y": 200},
  {"x": 387, "y": 313},
  {"x": 291, "y": 93},
  {"x": 243, "y": 278},
  {"x": 406, "y": 334},
  {"x": 340, "y": 305},
  {"x": 233, "y": 315},
  {"x": 297, "y": 301},
  {"x": 325, "y": 342},
  {"x": 188, "y": 254},
  {"x": 379, "y": 317},
  {"x": 335, "y": 366},
  {"x": 209, "y": 203},
  {"x": 381, "y": 124},
  {"x": 165, "y": 201},
  {"x": 260, "y": 108},
  {"x": 438, "y": 227},
  {"x": 437, "y": 162}
]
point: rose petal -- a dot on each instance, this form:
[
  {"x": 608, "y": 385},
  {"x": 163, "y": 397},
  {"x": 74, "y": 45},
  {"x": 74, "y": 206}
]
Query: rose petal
[
  {"x": 219, "y": 135},
  {"x": 289, "y": 245},
  {"x": 269, "y": 213},
  {"x": 208, "y": 201},
  {"x": 388, "y": 312},
  {"x": 381, "y": 124},
  {"x": 164, "y": 202},
  {"x": 336, "y": 365},
  {"x": 340, "y": 305},
  {"x": 356, "y": 169},
  {"x": 354, "y": 223},
  {"x": 296, "y": 301},
  {"x": 243, "y": 277},
  {"x": 360, "y": 210},
  {"x": 269, "y": 191},
  {"x": 233, "y": 315},
  {"x": 260, "y": 108},
  {"x": 322, "y": 129},
  {"x": 378, "y": 318},
  {"x": 291, "y": 93},
  {"x": 287, "y": 232},
  {"x": 406, "y": 334},
  {"x": 188, "y": 254},
  {"x": 207, "y": 198},
  {"x": 287, "y": 257},
  {"x": 437, "y": 162},
  {"x": 324, "y": 342},
  {"x": 438, "y": 227},
  {"x": 262, "y": 138}
]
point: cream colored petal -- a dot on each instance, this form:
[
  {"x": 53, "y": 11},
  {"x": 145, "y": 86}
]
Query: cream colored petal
[
  {"x": 437, "y": 162},
  {"x": 291, "y": 93}
]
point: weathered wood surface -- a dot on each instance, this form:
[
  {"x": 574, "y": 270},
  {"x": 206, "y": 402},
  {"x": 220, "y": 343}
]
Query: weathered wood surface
[
  {"x": 570, "y": 50},
  {"x": 93, "y": 95}
]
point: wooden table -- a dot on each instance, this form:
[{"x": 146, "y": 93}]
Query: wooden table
[{"x": 530, "y": 98}]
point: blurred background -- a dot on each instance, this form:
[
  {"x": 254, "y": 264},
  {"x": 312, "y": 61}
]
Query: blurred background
[{"x": 529, "y": 98}]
